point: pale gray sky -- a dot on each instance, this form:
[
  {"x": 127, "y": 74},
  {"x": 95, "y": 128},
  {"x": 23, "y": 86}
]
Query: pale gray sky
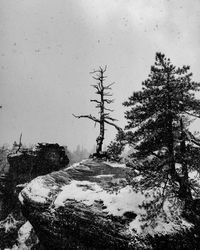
[{"x": 48, "y": 48}]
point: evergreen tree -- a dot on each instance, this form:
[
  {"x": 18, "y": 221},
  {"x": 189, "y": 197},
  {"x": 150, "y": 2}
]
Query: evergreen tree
[
  {"x": 115, "y": 148},
  {"x": 159, "y": 117}
]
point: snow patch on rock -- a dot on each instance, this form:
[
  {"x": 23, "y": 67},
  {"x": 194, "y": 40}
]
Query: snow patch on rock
[
  {"x": 116, "y": 164},
  {"x": 24, "y": 231},
  {"x": 104, "y": 176},
  {"x": 37, "y": 191},
  {"x": 87, "y": 192},
  {"x": 24, "y": 238}
]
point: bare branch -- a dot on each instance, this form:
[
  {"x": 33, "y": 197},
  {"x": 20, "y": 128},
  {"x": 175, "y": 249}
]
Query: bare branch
[
  {"x": 20, "y": 143},
  {"x": 96, "y": 87},
  {"x": 108, "y": 94},
  {"x": 103, "y": 70},
  {"x": 111, "y": 110},
  {"x": 114, "y": 125},
  {"x": 87, "y": 116},
  {"x": 109, "y": 101},
  {"x": 109, "y": 86},
  {"x": 98, "y": 78},
  {"x": 100, "y": 70},
  {"x": 101, "y": 77},
  {"x": 93, "y": 100},
  {"x": 110, "y": 118},
  {"x": 94, "y": 71}
]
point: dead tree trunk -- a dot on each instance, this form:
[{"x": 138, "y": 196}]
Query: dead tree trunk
[
  {"x": 100, "y": 138},
  {"x": 104, "y": 113}
]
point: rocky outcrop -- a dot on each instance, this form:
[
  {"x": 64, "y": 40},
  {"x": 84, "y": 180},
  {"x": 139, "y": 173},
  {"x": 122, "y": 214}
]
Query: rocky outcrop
[
  {"x": 27, "y": 164},
  {"x": 76, "y": 208},
  {"x": 90, "y": 206},
  {"x": 23, "y": 167}
]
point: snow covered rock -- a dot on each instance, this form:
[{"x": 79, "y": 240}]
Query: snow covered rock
[
  {"x": 8, "y": 231},
  {"x": 23, "y": 167},
  {"x": 26, "y": 238},
  {"x": 89, "y": 206}
]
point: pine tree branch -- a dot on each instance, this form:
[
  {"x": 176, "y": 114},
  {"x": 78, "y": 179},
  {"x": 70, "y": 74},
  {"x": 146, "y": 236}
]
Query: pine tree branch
[{"x": 87, "y": 116}]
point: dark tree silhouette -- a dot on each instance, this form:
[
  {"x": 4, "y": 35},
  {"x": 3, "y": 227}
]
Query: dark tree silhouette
[
  {"x": 103, "y": 91},
  {"x": 160, "y": 115},
  {"x": 116, "y": 147}
]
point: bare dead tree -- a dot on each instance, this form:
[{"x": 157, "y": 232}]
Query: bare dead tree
[
  {"x": 19, "y": 145},
  {"x": 104, "y": 112}
]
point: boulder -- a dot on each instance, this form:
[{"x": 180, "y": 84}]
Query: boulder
[{"x": 86, "y": 206}]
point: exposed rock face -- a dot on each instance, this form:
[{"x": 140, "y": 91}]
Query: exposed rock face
[
  {"x": 27, "y": 164},
  {"x": 80, "y": 207},
  {"x": 23, "y": 167}
]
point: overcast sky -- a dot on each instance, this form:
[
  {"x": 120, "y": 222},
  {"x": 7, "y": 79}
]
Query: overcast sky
[{"x": 48, "y": 48}]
